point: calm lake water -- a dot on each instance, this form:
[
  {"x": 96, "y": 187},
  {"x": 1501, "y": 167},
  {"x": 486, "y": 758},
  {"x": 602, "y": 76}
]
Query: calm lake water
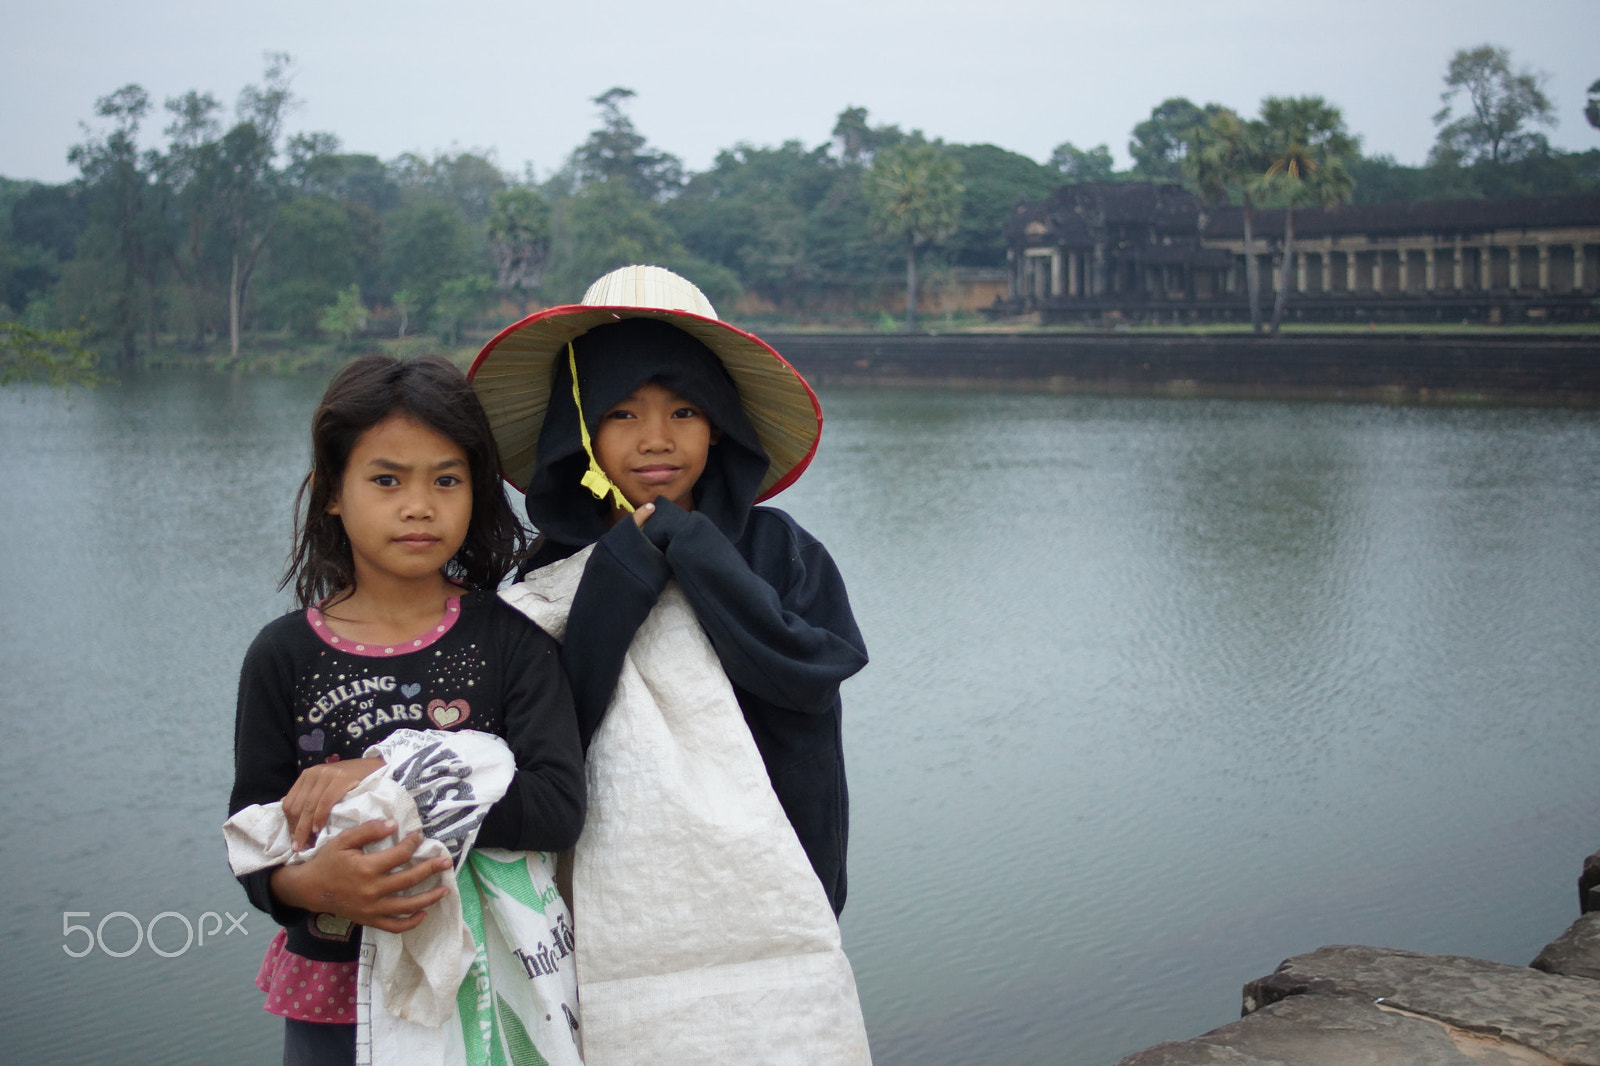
[{"x": 1162, "y": 692}]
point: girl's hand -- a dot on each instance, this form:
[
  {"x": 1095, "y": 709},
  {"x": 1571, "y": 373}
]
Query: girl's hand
[
  {"x": 643, "y": 512},
  {"x": 315, "y": 792},
  {"x": 343, "y": 879}
]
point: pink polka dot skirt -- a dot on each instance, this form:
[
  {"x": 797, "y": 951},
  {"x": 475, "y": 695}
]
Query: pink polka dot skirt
[{"x": 305, "y": 989}]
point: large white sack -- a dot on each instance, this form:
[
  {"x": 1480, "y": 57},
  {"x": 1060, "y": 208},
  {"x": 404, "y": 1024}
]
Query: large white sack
[{"x": 703, "y": 935}]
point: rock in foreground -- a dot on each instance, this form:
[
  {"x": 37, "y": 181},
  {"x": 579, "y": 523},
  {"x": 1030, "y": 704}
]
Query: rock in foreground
[{"x": 1355, "y": 1006}]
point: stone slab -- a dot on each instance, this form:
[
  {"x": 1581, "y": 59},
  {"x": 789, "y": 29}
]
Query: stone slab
[
  {"x": 1576, "y": 952},
  {"x": 1554, "y": 1014},
  {"x": 1336, "y": 1030}
]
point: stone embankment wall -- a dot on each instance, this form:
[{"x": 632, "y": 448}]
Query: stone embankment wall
[
  {"x": 1353, "y": 1006},
  {"x": 1450, "y": 368}
]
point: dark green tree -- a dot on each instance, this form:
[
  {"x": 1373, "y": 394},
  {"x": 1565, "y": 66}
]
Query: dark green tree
[
  {"x": 854, "y": 136},
  {"x": 425, "y": 244},
  {"x": 39, "y": 231},
  {"x": 187, "y": 183},
  {"x": 311, "y": 262},
  {"x": 221, "y": 191},
  {"x": 468, "y": 181},
  {"x": 317, "y": 166},
  {"x": 310, "y": 162},
  {"x": 362, "y": 187},
  {"x": 606, "y": 225},
  {"x": 618, "y": 153},
  {"x": 1160, "y": 142},
  {"x": 120, "y": 259},
  {"x": 608, "y": 210},
  {"x": 1500, "y": 105},
  {"x": 1381, "y": 179},
  {"x": 992, "y": 179},
  {"x": 839, "y": 236},
  {"x": 859, "y": 141},
  {"x": 753, "y": 213},
  {"x": 1076, "y": 166},
  {"x": 248, "y": 185}
]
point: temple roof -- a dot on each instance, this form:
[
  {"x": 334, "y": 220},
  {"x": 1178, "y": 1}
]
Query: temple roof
[
  {"x": 1080, "y": 215},
  {"x": 1072, "y": 214},
  {"x": 1428, "y": 216}
]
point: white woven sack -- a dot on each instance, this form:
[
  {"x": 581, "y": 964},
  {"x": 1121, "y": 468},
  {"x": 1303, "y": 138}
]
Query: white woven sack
[
  {"x": 518, "y": 1003},
  {"x": 488, "y": 979},
  {"x": 703, "y": 935}
]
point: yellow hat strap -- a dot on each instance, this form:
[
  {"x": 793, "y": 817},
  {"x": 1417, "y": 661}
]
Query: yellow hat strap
[{"x": 594, "y": 479}]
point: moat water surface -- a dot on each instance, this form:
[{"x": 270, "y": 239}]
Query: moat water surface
[{"x": 1162, "y": 692}]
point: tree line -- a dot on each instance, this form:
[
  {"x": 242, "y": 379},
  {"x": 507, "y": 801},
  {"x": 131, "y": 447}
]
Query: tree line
[{"x": 233, "y": 225}]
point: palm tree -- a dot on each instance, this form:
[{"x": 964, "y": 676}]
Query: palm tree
[
  {"x": 1226, "y": 154},
  {"x": 915, "y": 197},
  {"x": 1307, "y": 151}
]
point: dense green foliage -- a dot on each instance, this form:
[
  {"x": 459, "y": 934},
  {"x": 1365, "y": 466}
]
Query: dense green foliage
[
  {"x": 1379, "y": 179},
  {"x": 55, "y": 356},
  {"x": 1161, "y": 142},
  {"x": 230, "y": 226}
]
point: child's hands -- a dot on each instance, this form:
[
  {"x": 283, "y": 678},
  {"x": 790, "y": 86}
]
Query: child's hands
[
  {"x": 343, "y": 879},
  {"x": 642, "y": 513},
  {"x": 315, "y": 792}
]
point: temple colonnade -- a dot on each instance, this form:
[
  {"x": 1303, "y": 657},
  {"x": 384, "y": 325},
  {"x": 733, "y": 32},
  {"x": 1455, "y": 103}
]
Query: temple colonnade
[{"x": 1553, "y": 264}]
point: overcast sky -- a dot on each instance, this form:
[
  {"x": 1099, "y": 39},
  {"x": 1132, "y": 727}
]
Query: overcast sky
[{"x": 517, "y": 78}]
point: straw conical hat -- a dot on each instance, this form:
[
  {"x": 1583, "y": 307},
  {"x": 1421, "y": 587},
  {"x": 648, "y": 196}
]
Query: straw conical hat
[{"x": 512, "y": 375}]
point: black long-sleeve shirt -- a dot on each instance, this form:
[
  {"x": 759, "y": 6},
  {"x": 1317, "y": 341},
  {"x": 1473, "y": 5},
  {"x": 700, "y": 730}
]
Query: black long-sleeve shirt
[{"x": 307, "y": 697}]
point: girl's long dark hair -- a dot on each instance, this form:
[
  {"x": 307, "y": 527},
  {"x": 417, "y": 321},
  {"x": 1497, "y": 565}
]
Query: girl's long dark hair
[{"x": 361, "y": 395}]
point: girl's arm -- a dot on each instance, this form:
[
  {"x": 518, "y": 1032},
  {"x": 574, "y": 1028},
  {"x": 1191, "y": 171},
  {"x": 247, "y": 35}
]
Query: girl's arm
[
  {"x": 543, "y": 808},
  {"x": 341, "y": 879},
  {"x": 264, "y": 766}
]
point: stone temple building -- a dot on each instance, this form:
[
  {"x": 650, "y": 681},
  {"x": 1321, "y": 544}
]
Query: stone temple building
[{"x": 1158, "y": 253}]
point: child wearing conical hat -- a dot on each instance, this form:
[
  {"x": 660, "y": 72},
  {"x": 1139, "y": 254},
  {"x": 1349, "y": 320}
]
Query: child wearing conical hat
[{"x": 706, "y": 639}]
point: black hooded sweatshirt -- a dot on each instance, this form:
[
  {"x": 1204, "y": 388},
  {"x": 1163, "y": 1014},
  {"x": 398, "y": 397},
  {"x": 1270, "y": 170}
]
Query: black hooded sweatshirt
[{"x": 766, "y": 592}]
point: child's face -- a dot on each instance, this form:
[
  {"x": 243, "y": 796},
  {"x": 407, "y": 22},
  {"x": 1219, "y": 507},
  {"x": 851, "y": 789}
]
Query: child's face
[
  {"x": 405, "y": 501},
  {"x": 654, "y": 443}
]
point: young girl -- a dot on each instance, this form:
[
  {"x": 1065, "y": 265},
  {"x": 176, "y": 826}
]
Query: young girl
[
  {"x": 404, "y": 535},
  {"x": 706, "y": 639}
]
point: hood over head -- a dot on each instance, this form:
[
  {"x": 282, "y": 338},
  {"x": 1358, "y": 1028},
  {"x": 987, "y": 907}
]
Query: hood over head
[{"x": 613, "y": 360}]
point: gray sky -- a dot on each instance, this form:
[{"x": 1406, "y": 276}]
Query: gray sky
[{"x": 517, "y": 77}]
